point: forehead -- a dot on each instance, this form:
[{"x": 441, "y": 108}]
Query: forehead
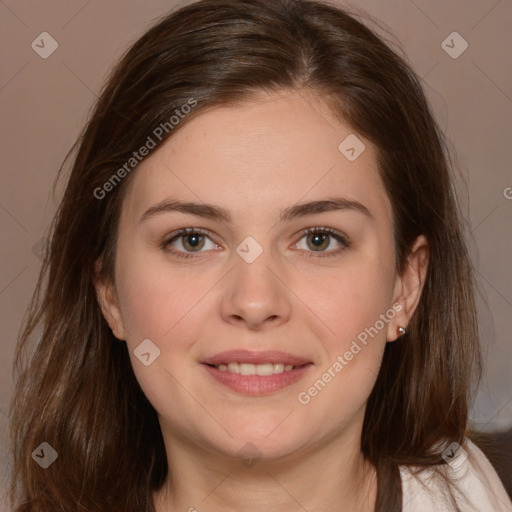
[{"x": 256, "y": 157}]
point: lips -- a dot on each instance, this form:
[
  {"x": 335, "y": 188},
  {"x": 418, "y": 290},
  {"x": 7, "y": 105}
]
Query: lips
[
  {"x": 249, "y": 372},
  {"x": 252, "y": 357}
]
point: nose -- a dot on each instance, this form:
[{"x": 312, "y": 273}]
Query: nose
[{"x": 256, "y": 295}]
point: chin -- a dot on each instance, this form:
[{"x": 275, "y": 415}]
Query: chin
[{"x": 272, "y": 445}]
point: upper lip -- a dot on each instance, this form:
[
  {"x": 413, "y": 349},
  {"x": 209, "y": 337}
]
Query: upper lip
[{"x": 253, "y": 357}]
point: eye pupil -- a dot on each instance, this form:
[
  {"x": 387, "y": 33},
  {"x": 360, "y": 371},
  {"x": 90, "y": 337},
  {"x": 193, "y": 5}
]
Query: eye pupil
[
  {"x": 318, "y": 239},
  {"x": 193, "y": 241}
]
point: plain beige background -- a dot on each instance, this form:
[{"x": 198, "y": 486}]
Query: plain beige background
[{"x": 44, "y": 103}]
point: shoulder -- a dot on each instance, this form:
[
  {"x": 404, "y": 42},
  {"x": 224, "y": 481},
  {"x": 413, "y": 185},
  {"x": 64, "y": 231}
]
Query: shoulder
[{"x": 475, "y": 484}]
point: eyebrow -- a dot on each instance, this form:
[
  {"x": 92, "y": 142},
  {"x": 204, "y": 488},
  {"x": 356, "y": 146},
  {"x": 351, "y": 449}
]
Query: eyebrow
[{"x": 213, "y": 212}]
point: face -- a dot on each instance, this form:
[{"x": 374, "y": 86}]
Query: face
[{"x": 260, "y": 331}]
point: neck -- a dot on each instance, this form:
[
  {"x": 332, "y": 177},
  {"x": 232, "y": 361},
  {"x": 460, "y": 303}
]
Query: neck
[{"x": 333, "y": 476}]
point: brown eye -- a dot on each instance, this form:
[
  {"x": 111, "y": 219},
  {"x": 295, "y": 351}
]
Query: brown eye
[
  {"x": 187, "y": 241},
  {"x": 318, "y": 241},
  {"x": 193, "y": 241},
  {"x": 324, "y": 241}
]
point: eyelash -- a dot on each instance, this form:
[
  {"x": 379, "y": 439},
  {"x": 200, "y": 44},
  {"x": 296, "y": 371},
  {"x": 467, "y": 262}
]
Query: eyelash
[{"x": 345, "y": 244}]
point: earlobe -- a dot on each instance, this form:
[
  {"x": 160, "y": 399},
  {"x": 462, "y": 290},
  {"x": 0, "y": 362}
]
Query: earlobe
[
  {"x": 108, "y": 303},
  {"x": 409, "y": 286}
]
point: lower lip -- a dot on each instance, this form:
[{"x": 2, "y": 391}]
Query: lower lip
[{"x": 257, "y": 384}]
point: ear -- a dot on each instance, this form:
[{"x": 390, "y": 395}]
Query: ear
[
  {"x": 408, "y": 287},
  {"x": 107, "y": 299}
]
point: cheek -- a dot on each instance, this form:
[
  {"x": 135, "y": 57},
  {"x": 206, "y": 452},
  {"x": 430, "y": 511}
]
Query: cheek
[
  {"x": 355, "y": 312},
  {"x": 354, "y": 305},
  {"x": 168, "y": 307},
  {"x": 351, "y": 299},
  {"x": 158, "y": 300},
  {"x": 353, "y": 345}
]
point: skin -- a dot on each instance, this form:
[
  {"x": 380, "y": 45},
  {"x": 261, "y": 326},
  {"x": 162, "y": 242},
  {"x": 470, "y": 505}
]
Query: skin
[{"x": 254, "y": 160}]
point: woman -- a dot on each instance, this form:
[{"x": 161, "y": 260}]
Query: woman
[{"x": 257, "y": 294}]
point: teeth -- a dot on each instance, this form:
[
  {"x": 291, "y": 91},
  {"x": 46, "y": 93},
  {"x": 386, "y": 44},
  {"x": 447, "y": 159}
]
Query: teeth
[
  {"x": 247, "y": 369},
  {"x": 264, "y": 369},
  {"x": 255, "y": 369},
  {"x": 278, "y": 368},
  {"x": 233, "y": 368}
]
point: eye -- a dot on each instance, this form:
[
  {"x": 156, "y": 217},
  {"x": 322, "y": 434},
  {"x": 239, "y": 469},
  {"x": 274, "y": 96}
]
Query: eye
[
  {"x": 319, "y": 239},
  {"x": 187, "y": 241}
]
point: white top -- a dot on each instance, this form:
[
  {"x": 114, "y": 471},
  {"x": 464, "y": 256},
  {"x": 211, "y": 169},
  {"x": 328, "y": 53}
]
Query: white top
[{"x": 476, "y": 484}]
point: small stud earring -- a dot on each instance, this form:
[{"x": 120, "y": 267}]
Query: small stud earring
[{"x": 401, "y": 331}]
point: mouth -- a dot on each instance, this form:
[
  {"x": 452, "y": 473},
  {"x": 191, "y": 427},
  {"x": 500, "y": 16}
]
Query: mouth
[{"x": 256, "y": 373}]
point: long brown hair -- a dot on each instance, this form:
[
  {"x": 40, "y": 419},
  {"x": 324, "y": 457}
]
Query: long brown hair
[{"x": 76, "y": 389}]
